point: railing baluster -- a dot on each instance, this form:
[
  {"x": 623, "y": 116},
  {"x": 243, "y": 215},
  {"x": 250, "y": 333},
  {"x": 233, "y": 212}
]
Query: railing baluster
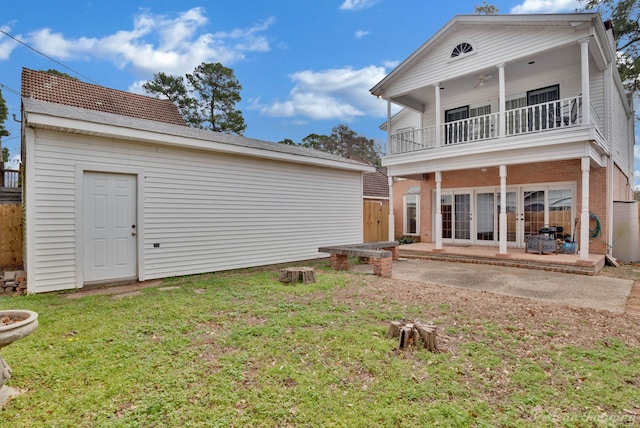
[{"x": 11, "y": 178}]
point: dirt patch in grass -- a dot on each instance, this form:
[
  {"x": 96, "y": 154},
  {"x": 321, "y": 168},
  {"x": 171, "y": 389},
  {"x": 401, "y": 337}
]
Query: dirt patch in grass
[{"x": 463, "y": 315}]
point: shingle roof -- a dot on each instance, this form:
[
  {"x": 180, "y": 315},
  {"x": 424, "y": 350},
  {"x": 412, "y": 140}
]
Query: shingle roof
[
  {"x": 166, "y": 133},
  {"x": 375, "y": 185},
  {"x": 44, "y": 86}
]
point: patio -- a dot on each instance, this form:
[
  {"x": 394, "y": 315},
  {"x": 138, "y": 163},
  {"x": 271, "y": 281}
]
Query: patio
[{"x": 516, "y": 257}]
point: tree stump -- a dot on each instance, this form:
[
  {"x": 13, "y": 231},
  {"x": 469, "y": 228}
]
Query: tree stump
[
  {"x": 297, "y": 274},
  {"x": 411, "y": 333}
]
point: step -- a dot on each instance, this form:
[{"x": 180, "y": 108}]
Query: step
[{"x": 511, "y": 262}]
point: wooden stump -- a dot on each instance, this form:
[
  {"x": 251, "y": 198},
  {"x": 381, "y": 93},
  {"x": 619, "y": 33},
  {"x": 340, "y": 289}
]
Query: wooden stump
[
  {"x": 297, "y": 274},
  {"x": 410, "y": 333}
]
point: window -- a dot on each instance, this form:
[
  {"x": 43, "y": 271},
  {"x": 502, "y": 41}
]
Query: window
[
  {"x": 543, "y": 115},
  {"x": 461, "y": 49},
  {"x": 560, "y": 209},
  {"x": 456, "y": 132},
  {"x": 481, "y": 127},
  {"x": 543, "y": 95},
  {"x": 516, "y": 119},
  {"x": 411, "y": 215}
]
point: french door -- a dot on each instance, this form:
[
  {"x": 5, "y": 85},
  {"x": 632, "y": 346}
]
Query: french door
[
  {"x": 472, "y": 216},
  {"x": 457, "y": 216}
]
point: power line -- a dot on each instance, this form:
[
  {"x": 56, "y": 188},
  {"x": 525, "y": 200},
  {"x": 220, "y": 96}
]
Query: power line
[
  {"x": 48, "y": 57},
  {"x": 2, "y": 85}
]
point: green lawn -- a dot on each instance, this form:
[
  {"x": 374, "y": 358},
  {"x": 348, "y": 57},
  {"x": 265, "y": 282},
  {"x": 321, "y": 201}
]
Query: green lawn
[{"x": 241, "y": 349}]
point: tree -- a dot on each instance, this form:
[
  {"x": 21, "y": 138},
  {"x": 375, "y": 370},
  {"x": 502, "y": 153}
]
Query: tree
[
  {"x": 174, "y": 89},
  {"x": 60, "y": 74},
  {"x": 485, "y": 9},
  {"x": 318, "y": 142},
  {"x": 287, "y": 142},
  {"x": 206, "y": 98},
  {"x": 345, "y": 142},
  {"x": 4, "y": 113},
  {"x": 624, "y": 16}
]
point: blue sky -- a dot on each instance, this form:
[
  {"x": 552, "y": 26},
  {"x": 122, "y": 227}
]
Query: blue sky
[{"x": 305, "y": 65}]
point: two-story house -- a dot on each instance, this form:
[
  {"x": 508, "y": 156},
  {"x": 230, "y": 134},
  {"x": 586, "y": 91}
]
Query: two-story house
[{"x": 509, "y": 124}]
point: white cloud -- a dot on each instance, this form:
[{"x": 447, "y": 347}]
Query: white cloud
[
  {"x": 391, "y": 64},
  {"x": 14, "y": 162},
  {"x": 357, "y": 4},
  {"x": 340, "y": 93},
  {"x": 55, "y": 45},
  {"x": 546, "y": 6},
  {"x": 174, "y": 45},
  {"x": 360, "y": 34},
  {"x": 7, "y": 44}
]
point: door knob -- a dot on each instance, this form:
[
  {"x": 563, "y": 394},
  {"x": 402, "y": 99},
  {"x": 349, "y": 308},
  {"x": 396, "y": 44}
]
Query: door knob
[{"x": 133, "y": 234}]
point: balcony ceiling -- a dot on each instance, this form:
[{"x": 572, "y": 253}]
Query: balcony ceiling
[{"x": 514, "y": 71}]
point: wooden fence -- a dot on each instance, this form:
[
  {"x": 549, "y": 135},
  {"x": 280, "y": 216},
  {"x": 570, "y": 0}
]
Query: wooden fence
[
  {"x": 376, "y": 221},
  {"x": 10, "y": 234}
]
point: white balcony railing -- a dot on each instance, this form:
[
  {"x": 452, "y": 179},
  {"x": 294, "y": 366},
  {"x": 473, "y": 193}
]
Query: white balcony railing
[
  {"x": 10, "y": 178},
  {"x": 471, "y": 129},
  {"x": 534, "y": 118},
  {"x": 544, "y": 116}
]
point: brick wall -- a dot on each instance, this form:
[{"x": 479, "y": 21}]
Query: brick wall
[{"x": 517, "y": 175}]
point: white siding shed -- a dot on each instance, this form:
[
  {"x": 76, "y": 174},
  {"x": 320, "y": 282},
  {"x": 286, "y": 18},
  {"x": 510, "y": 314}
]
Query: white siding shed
[{"x": 111, "y": 197}]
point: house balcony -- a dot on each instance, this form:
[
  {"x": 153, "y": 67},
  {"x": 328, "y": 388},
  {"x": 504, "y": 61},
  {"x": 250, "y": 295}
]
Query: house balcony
[
  {"x": 10, "y": 186},
  {"x": 10, "y": 178},
  {"x": 529, "y": 120}
]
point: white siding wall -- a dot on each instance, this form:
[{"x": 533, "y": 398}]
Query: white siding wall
[
  {"x": 569, "y": 79},
  {"x": 489, "y": 44},
  {"x": 207, "y": 211},
  {"x": 406, "y": 119},
  {"x": 597, "y": 94},
  {"x": 621, "y": 149}
]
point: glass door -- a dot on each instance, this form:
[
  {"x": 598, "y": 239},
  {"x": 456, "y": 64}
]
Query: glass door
[
  {"x": 534, "y": 207},
  {"x": 446, "y": 204},
  {"x": 462, "y": 210},
  {"x": 485, "y": 217},
  {"x": 457, "y": 217}
]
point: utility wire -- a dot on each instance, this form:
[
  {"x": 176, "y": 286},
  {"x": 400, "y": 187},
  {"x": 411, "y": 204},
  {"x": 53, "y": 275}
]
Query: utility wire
[
  {"x": 48, "y": 57},
  {"x": 2, "y": 85}
]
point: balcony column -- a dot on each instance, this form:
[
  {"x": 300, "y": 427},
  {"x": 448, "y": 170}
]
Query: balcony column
[
  {"x": 392, "y": 221},
  {"x": 438, "y": 211},
  {"x": 503, "y": 210},
  {"x": 438, "y": 120},
  {"x": 584, "y": 215},
  {"x": 389, "y": 125},
  {"x": 502, "y": 118},
  {"x": 584, "y": 66}
]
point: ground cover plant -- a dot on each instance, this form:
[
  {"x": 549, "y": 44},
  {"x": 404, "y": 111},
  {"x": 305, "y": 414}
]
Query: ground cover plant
[{"x": 239, "y": 348}]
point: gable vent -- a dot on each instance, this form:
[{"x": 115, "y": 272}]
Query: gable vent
[{"x": 461, "y": 49}]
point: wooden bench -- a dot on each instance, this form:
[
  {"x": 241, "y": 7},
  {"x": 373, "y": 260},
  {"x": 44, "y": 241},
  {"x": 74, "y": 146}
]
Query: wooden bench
[{"x": 379, "y": 254}]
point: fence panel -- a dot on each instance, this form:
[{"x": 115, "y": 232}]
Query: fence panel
[
  {"x": 376, "y": 221},
  {"x": 10, "y": 234}
]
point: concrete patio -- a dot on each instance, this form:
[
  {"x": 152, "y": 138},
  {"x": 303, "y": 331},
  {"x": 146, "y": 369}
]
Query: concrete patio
[{"x": 516, "y": 257}]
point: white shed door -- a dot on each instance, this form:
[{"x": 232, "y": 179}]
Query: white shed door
[{"x": 110, "y": 231}]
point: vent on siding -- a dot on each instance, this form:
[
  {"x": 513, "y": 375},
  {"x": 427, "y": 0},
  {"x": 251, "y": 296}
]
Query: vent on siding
[{"x": 461, "y": 49}]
